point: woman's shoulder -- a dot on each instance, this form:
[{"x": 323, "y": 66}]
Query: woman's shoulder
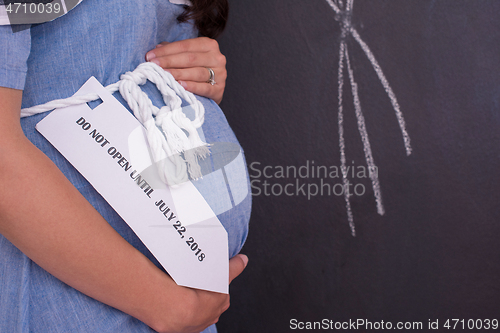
[{"x": 13, "y": 57}]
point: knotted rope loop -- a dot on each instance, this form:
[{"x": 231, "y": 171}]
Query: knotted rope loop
[{"x": 166, "y": 127}]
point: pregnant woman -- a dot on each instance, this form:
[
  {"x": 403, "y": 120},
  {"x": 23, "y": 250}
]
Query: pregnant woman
[{"x": 68, "y": 262}]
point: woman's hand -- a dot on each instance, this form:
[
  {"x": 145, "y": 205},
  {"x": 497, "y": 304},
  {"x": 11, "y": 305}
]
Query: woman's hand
[
  {"x": 194, "y": 310},
  {"x": 188, "y": 61}
]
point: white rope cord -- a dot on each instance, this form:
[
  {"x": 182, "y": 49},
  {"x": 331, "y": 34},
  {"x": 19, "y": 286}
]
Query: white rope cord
[{"x": 166, "y": 127}]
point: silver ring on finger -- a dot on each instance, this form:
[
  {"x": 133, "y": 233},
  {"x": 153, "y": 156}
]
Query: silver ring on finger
[{"x": 211, "y": 80}]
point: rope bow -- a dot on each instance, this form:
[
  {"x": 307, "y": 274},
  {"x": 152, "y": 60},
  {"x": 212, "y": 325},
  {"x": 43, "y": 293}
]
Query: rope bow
[{"x": 169, "y": 132}]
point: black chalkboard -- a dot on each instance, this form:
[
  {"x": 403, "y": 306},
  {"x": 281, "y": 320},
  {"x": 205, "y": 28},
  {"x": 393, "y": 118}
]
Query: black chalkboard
[{"x": 435, "y": 252}]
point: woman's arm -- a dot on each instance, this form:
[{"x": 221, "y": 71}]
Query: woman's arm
[{"x": 46, "y": 217}]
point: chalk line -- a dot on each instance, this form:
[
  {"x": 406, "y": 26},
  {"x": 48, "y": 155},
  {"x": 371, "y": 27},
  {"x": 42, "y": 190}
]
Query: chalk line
[
  {"x": 364, "y": 138},
  {"x": 348, "y": 7},
  {"x": 387, "y": 87},
  {"x": 334, "y": 6},
  {"x": 350, "y": 217}
]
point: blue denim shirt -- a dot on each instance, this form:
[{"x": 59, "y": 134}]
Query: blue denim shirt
[{"x": 100, "y": 38}]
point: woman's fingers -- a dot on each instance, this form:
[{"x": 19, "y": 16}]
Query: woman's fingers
[
  {"x": 198, "y": 309},
  {"x": 200, "y": 75},
  {"x": 214, "y": 92},
  {"x": 197, "y": 52},
  {"x": 197, "y": 74},
  {"x": 201, "y": 44},
  {"x": 236, "y": 266},
  {"x": 188, "y": 61}
]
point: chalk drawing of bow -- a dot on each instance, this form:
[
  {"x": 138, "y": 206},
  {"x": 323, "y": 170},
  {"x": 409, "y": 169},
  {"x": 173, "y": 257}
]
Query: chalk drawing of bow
[{"x": 343, "y": 11}]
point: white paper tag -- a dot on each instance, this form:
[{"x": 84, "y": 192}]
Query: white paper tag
[{"x": 108, "y": 146}]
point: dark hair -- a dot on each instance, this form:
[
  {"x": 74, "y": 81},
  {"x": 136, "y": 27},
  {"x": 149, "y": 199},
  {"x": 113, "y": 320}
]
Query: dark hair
[{"x": 209, "y": 16}]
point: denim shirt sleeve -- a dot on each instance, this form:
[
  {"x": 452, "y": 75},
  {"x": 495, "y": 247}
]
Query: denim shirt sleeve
[{"x": 14, "y": 52}]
